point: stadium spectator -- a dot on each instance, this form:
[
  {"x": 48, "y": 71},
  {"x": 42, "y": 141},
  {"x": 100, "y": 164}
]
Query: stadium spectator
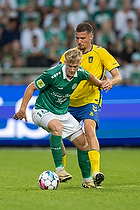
[
  {"x": 27, "y": 34},
  {"x": 92, "y": 6},
  {"x": 136, "y": 7},
  {"x": 23, "y": 5},
  {"x": 121, "y": 17},
  {"x": 14, "y": 58},
  {"x": 7, "y": 6},
  {"x": 56, "y": 13},
  {"x": 102, "y": 15},
  {"x": 35, "y": 54},
  {"x": 12, "y": 55},
  {"x": 32, "y": 12},
  {"x": 74, "y": 17},
  {"x": 54, "y": 51},
  {"x": 10, "y": 33},
  {"x": 132, "y": 71},
  {"x": 132, "y": 31},
  {"x": 115, "y": 5},
  {"x": 7, "y": 60},
  {"x": 116, "y": 51},
  {"x": 45, "y": 6},
  {"x": 128, "y": 49},
  {"x": 66, "y": 5},
  {"x": 106, "y": 35},
  {"x": 16, "y": 48},
  {"x": 56, "y": 42},
  {"x": 55, "y": 30}
]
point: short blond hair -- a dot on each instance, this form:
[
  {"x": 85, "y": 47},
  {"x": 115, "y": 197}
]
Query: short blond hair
[{"x": 73, "y": 55}]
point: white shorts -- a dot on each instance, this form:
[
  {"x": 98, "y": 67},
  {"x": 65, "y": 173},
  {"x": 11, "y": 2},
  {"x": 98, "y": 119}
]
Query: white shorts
[{"x": 71, "y": 127}]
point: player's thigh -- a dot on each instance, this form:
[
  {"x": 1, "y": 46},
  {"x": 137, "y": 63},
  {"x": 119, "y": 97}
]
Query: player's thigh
[{"x": 42, "y": 118}]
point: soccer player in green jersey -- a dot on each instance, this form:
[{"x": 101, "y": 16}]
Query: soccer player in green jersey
[
  {"x": 85, "y": 102},
  {"x": 51, "y": 110}
]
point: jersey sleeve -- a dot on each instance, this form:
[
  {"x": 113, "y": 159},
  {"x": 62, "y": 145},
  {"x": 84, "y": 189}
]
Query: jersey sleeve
[
  {"x": 83, "y": 73},
  {"x": 86, "y": 74},
  {"x": 108, "y": 61},
  {"x": 42, "y": 81}
]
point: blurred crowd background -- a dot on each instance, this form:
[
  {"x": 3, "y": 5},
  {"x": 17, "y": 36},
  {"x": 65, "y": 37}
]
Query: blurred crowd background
[{"x": 35, "y": 33}]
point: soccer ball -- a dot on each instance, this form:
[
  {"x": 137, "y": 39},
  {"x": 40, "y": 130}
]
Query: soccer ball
[{"x": 48, "y": 180}]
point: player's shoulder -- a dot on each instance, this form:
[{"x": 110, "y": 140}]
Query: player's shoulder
[
  {"x": 99, "y": 49},
  {"x": 81, "y": 71},
  {"x": 55, "y": 70},
  {"x": 81, "y": 68}
]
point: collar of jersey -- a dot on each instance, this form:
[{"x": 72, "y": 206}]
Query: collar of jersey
[
  {"x": 89, "y": 50},
  {"x": 64, "y": 73}
]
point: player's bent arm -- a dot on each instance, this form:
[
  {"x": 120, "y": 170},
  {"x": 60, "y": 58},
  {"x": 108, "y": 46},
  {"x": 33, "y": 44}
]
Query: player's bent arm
[
  {"x": 27, "y": 96},
  {"x": 94, "y": 81},
  {"x": 108, "y": 83}
]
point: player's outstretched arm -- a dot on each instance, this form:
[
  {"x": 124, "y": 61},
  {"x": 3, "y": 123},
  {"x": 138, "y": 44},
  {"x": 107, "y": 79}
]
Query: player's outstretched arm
[
  {"x": 94, "y": 81},
  {"x": 27, "y": 96}
]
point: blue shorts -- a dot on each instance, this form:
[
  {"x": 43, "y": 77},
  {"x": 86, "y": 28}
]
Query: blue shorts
[{"x": 89, "y": 111}]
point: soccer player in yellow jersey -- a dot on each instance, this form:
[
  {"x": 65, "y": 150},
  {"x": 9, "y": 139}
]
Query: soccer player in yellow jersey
[{"x": 85, "y": 102}]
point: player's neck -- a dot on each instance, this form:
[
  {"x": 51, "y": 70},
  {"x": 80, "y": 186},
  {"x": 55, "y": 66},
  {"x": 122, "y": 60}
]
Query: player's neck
[{"x": 87, "y": 49}]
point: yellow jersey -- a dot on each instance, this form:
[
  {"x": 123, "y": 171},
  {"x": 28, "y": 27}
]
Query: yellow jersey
[{"x": 95, "y": 61}]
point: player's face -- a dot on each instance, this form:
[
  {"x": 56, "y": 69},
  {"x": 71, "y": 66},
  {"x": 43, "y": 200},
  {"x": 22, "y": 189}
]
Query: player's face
[
  {"x": 71, "y": 68},
  {"x": 83, "y": 40}
]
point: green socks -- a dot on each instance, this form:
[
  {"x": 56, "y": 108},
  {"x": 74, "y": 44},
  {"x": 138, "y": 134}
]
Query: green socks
[
  {"x": 84, "y": 163},
  {"x": 56, "y": 148},
  {"x": 83, "y": 159}
]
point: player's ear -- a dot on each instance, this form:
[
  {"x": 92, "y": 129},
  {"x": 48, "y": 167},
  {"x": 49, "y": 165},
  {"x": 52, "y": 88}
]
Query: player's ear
[{"x": 91, "y": 36}]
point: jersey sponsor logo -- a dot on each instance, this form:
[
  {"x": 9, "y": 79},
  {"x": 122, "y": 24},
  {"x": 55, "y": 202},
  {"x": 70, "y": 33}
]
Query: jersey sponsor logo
[
  {"x": 61, "y": 98},
  {"x": 40, "y": 83},
  {"x": 74, "y": 86},
  {"x": 90, "y": 59}
]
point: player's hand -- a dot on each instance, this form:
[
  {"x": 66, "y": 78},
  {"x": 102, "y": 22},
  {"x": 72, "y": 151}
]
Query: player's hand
[
  {"x": 20, "y": 115},
  {"x": 106, "y": 84}
]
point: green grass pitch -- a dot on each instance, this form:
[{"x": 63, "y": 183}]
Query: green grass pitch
[{"x": 20, "y": 169}]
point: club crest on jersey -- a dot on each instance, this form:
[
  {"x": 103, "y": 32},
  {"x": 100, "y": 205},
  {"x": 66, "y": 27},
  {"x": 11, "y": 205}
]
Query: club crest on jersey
[
  {"x": 74, "y": 86},
  {"x": 90, "y": 59}
]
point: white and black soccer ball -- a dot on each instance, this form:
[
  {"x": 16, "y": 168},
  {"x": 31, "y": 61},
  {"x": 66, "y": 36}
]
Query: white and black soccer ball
[{"x": 48, "y": 180}]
